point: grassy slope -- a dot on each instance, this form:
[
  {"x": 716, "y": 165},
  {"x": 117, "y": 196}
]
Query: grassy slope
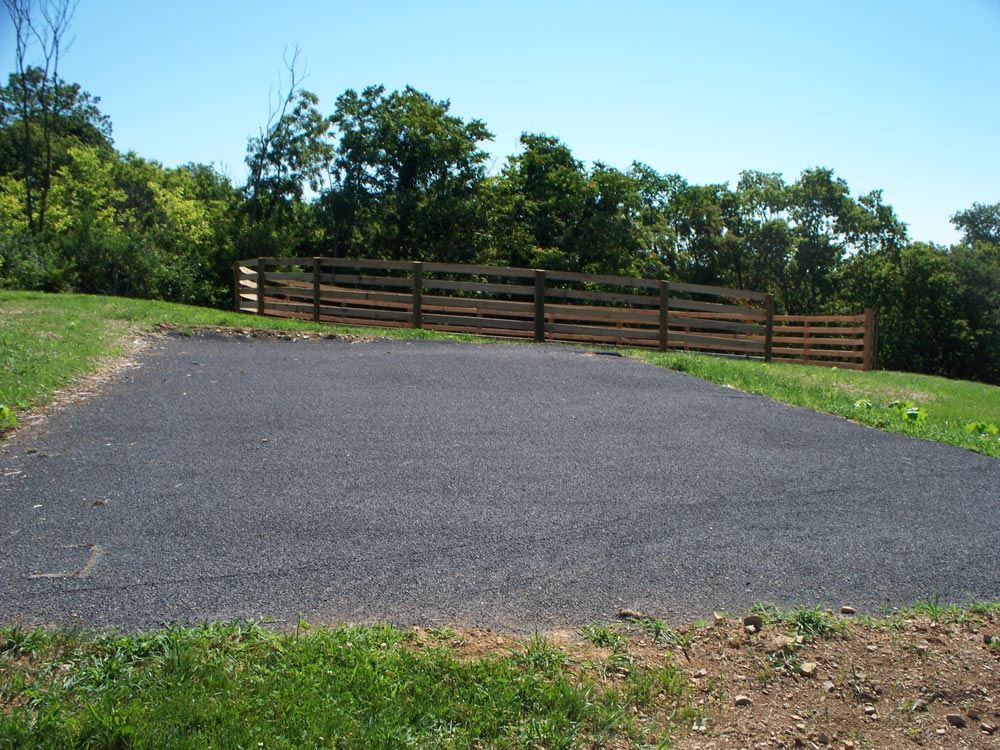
[{"x": 47, "y": 340}]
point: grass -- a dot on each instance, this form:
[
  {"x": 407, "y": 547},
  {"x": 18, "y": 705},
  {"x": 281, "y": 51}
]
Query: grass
[
  {"x": 48, "y": 340},
  {"x": 878, "y": 399},
  {"x": 238, "y": 685}
]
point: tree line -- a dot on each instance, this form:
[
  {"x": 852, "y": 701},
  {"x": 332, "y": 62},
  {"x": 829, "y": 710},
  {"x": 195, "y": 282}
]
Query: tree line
[{"x": 396, "y": 175}]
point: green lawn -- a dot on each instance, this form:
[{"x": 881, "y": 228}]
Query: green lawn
[
  {"x": 48, "y": 340},
  {"x": 243, "y": 686}
]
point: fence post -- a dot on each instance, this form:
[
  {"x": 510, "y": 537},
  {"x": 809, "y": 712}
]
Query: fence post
[
  {"x": 316, "y": 269},
  {"x": 664, "y": 314},
  {"x": 871, "y": 338},
  {"x": 418, "y": 294},
  {"x": 769, "y": 331},
  {"x": 236, "y": 285},
  {"x": 260, "y": 286},
  {"x": 539, "y": 306}
]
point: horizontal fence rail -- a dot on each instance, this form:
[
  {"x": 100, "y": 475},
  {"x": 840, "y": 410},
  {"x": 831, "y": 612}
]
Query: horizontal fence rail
[{"x": 548, "y": 306}]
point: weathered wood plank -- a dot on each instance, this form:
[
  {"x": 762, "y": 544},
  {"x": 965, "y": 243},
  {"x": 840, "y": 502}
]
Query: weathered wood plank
[
  {"x": 366, "y": 313},
  {"x": 478, "y": 286},
  {"x": 514, "y": 308},
  {"x": 812, "y": 319},
  {"x": 647, "y": 334},
  {"x": 718, "y": 342},
  {"x": 712, "y": 307},
  {"x": 717, "y": 291},
  {"x": 385, "y": 265},
  {"x": 814, "y": 342},
  {"x": 814, "y": 331},
  {"x": 377, "y": 281},
  {"x": 819, "y": 352},
  {"x": 601, "y": 314},
  {"x": 647, "y": 300},
  {"x": 289, "y": 276},
  {"x": 470, "y": 321},
  {"x": 591, "y": 278},
  {"x": 458, "y": 268},
  {"x": 715, "y": 325}
]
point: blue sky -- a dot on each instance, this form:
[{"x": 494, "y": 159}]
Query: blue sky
[{"x": 902, "y": 96}]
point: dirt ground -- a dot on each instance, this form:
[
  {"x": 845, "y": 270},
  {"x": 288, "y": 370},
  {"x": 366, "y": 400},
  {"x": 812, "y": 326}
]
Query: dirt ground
[{"x": 901, "y": 682}]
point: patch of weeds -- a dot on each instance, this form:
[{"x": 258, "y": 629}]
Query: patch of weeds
[
  {"x": 8, "y": 419},
  {"x": 808, "y": 622},
  {"x": 986, "y": 429},
  {"x": 444, "y": 634},
  {"x": 909, "y": 411},
  {"x": 606, "y": 636},
  {"x": 932, "y": 607},
  {"x": 985, "y": 609}
]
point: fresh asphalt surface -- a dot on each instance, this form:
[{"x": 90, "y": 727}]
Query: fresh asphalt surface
[{"x": 516, "y": 487}]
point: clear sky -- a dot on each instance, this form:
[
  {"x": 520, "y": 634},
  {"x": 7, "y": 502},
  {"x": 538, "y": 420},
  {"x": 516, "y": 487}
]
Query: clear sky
[{"x": 898, "y": 95}]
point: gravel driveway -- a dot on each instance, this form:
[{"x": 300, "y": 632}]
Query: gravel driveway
[{"x": 514, "y": 487}]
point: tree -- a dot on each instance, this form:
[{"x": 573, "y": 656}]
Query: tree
[
  {"x": 408, "y": 175},
  {"x": 548, "y": 194},
  {"x": 655, "y": 193},
  {"x": 35, "y": 94},
  {"x": 289, "y": 158},
  {"x": 981, "y": 223},
  {"x": 818, "y": 205}
]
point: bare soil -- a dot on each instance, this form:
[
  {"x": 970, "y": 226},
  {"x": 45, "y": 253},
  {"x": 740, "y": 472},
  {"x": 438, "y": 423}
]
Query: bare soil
[{"x": 901, "y": 682}]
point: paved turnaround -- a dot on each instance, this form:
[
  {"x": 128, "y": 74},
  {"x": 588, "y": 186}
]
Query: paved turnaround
[{"x": 518, "y": 487}]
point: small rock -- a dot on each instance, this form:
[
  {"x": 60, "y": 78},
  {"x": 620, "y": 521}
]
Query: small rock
[
  {"x": 920, "y": 705},
  {"x": 808, "y": 669},
  {"x": 847, "y": 610},
  {"x": 801, "y": 726},
  {"x": 870, "y": 710},
  {"x": 98, "y": 501},
  {"x": 718, "y": 618},
  {"x": 742, "y": 700},
  {"x": 973, "y": 714},
  {"x": 700, "y": 673},
  {"x": 990, "y": 640},
  {"x": 630, "y": 614},
  {"x": 849, "y": 745},
  {"x": 988, "y": 728},
  {"x": 781, "y": 643},
  {"x": 829, "y": 687},
  {"x": 822, "y": 738},
  {"x": 753, "y": 623},
  {"x": 956, "y": 720}
]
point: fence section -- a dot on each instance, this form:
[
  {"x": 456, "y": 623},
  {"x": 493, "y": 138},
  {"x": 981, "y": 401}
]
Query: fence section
[
  {"x": 522, "y": 303},
  {"x": 848, "y": 341}
]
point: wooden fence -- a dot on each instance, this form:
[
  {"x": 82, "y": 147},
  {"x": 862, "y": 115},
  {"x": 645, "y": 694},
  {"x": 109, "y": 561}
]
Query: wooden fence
[{"x": 547, "y": 306}]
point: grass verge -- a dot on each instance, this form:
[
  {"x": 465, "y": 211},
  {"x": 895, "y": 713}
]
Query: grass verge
[{"x": 238, "y": 685}]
